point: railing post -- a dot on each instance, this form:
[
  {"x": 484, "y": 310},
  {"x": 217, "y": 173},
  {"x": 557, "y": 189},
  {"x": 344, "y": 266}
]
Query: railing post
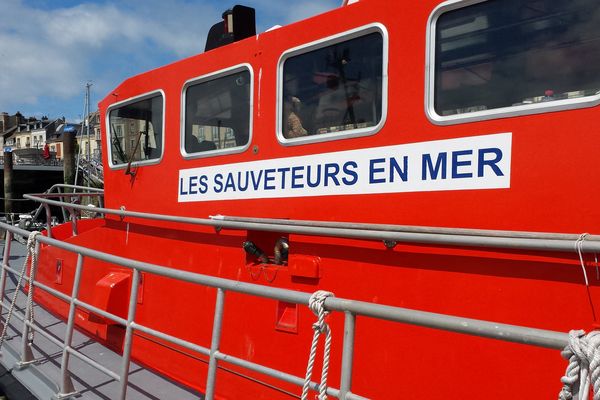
[
  {"x": 129, "y": 333},
  {"x": 214, "y": 346},
  {"x": 48, "y": 220},
  {"x": 66, "y": 388},
  {"x": 26, "y": 353},
  {"x": 73, "y": 217},
  {"x": 5, "y": 259},
  {"x": 347, "y": 354},
  {"x": 62, "y": 198}
]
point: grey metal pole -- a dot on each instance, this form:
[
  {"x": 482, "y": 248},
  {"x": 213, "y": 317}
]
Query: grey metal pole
[
  {"x": 347, "y": 354},
  {"x": 26, "y": 353},
  {"x": 214, "y": 346},
  {"x": 124, "y": 377},
  {"x": 48, "y": 220},
  {"x": 5, "y": 260},
  {"x": 87, "y": 124},
  {"x": 541, "y": 244},
  {"x": 66, "y": 385}
]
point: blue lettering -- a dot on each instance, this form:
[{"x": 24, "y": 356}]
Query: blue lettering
[
  {"x": 268, "y": 178},
  {"x": 256, "y": 179},
  {"x": 297, "y": 176},
  {"x": 218, "y": 188},
  {"x": 181, "y": 192},
  {"x": 456, "y": 163},
  {"x": 331, "y": 171},
  {"x": 491, "y": 163},
  {"x": 283, "y": 172},
  {"x": 193, "y": 184},
  {"x": 242, "y": 188},
  {"x": 440, "y": 164},
  {"x": 230, "y": 184},
  {"x": 203, "y": 184},
  {"x": 350, "y": 172},
  {"x": 401, "y": 172},
  {"x": 308, "y": 175},
  {"x": 373, "y": 171}
]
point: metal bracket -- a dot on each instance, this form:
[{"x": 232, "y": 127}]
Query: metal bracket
[
  {"x": 390, "y": 244},
  {"x": 68, "y": 391}
]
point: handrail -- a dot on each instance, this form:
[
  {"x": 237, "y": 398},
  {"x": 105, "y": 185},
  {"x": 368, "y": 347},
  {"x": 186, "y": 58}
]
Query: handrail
[
  {"x": 477, "y": 238},
  {"x": 57, "y": 186},
  {"x": 408, "y": 228},
  {"x": 351, "y": 308}
]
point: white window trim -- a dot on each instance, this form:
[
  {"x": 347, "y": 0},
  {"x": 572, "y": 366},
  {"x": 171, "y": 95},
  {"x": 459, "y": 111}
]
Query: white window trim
[
  {"x": 319, "y": 44},
  {"x": 209, "y": 77},
  {"x": 496, "y": 113},
  {"x": 125, "y": 102}
]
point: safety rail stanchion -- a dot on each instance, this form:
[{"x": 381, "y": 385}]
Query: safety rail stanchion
[
  {"x": 66, "y": 384},
  {"x": 73, "y": 218},
  {"x": 62, "y": 209},
  {"x": 215, "y": 344},
  {"x": 26, "y": 352},
  {"x": 135, "y": 281},
  {"x": 48, "y": 220},
  {"x": 347, "y": 354},
  {"x": 5, "y": 259}
]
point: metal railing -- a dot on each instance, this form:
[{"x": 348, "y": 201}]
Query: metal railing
[
  {"x": 351, "y": 309},
  {"x": 74, "y": 194},
  {"x": 390, "y": 235}
]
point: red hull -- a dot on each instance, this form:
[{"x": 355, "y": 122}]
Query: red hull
[{"x": 552, "y": 189}]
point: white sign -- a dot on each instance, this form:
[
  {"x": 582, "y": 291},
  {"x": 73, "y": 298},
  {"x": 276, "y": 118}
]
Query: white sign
[{"x": 477, "y": 162}]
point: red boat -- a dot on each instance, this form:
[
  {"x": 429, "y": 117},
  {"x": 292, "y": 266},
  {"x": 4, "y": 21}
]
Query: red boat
[{"x": 431, "y": 167}]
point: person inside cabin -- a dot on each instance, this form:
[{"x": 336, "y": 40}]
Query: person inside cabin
[
  {"x": 293, "y": 125},
  {"x": 292, "y": 122}
]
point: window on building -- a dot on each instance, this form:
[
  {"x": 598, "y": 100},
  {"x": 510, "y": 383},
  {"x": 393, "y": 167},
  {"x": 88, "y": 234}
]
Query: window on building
[
  {"x": 503, "y": 53},
  {"x": 217, "y": 113},
  {"x": 136, "y": 130},
  {"x": 333, "y": 89}
]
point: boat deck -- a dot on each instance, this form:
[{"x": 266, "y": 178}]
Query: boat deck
[{"x": 41, "y": 377}]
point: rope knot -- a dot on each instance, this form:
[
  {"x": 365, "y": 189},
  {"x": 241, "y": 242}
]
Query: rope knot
[
  {"x": 31, "y": 240},
  {"x": 583, "y": 354},
  {"x": 316, "y": 303}
]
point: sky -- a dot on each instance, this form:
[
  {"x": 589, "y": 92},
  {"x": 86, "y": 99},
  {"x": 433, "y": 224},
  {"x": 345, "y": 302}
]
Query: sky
[{"x": 50, "y": 49}]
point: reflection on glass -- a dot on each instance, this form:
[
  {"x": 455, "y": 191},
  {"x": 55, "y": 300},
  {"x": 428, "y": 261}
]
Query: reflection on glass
[
  {"x": 217, "y": 113},
  {"x": 503, "y": 53},
  {"x": 136, "y": 131},
  {"x": 333, "y": 89}
]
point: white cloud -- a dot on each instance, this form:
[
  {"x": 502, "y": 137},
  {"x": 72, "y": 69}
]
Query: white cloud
[{"x": 51, "y": 53}]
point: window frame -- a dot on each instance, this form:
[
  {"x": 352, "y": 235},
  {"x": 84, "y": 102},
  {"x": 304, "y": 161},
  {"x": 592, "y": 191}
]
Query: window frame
[
  {"x": 319, "y": 44},
  {"x": 206, "y": 78},
  {"x": 125, "y": 102},
  {"x": 496, "y": 113}
]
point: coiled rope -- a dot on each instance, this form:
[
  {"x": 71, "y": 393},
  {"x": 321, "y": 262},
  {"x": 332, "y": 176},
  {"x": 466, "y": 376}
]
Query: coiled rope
[
  {"x": 33, "y": 256},
  {"x": 583, "y": 354},
  {"x": 316, "y": 305}
]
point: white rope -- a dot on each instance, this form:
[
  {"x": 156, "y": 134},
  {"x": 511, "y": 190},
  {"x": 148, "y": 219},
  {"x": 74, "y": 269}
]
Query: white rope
[
  {"x": 583, "y": 354},
  {"x": 31, "y": 254},
  {"x": 316, "y": 305},
  {"x": 578, "y": 246}
]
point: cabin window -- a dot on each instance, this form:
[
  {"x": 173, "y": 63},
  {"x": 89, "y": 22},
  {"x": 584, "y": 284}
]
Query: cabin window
[
  {"x": 136, "y": 131},
  {"x": 333, "y": 89},
  {"x": 217, "y": 113},
  {"x": 513, "y": 53}
]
